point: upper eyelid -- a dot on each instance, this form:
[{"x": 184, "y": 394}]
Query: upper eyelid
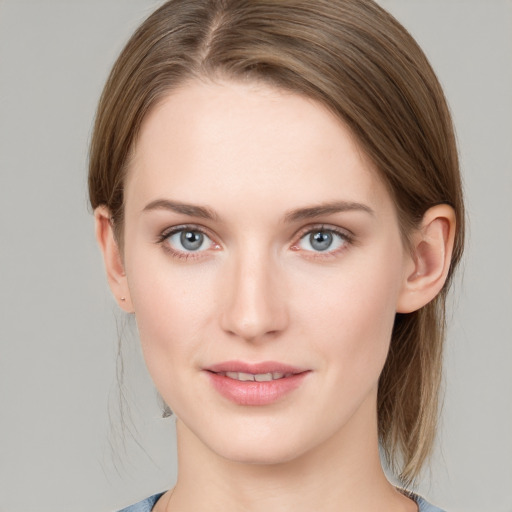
[
  {"x": 305, "y": 230},
  {"x": 171, "y": 230},
  {"x": 324, "y": 227}
]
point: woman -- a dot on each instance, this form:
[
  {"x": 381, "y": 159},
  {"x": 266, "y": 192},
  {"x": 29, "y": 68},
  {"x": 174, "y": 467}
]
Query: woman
[{"x": 278, "y": 202}]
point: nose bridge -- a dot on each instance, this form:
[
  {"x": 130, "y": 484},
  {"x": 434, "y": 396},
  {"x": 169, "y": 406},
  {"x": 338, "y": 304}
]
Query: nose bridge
[{"x": 254, "y": 307}]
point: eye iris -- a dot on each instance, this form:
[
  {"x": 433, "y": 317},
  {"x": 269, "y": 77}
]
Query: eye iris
[
  {"x": 191, "y": 240},
  {"x": 320, "y": 241}
]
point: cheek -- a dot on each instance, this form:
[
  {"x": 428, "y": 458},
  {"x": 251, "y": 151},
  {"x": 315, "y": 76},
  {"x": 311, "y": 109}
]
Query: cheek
[
  {"x": 350, "y": 313},
  {"x": 172, "y": 304}
]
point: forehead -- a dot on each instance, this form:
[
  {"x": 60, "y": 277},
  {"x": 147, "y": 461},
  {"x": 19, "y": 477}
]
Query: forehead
[{"x": 236, "y": 142}]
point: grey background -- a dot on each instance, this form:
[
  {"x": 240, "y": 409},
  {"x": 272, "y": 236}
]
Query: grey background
[{"x": 62, "y": 446}]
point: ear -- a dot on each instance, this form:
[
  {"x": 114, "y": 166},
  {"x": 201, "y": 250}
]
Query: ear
[
  {"x": 429, "y": 260},
  {"x": 112, "y": 257}
]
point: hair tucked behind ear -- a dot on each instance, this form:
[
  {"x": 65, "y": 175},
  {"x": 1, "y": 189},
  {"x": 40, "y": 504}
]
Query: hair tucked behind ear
[{"x": 357, "y": 60}]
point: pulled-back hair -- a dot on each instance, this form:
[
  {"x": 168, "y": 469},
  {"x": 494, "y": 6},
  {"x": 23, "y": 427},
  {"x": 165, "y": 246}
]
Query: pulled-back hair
[{"x": 358, "y": 61}]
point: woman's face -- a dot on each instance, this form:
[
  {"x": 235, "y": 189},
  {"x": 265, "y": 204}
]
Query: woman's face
[{"x": 264, "y": 264}]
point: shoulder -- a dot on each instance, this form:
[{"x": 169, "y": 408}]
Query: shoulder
[
  {"x": 425, "y": 506},
  {"x": 144, "y": 505}
]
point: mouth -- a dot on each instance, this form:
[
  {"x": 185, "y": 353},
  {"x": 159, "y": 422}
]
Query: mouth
[
  {"x": 255, "y": 384},
  {"x": 255, "y": 377}
]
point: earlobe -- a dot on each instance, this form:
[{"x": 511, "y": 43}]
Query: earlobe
[
  {"x": 112, "y": 258},
  {"x": 429, "y": 261}
]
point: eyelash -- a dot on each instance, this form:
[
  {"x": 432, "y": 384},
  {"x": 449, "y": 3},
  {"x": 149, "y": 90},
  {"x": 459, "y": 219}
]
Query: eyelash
[
  {"x": 346, "y": 236},
  {"x": 182, "y": 255}
]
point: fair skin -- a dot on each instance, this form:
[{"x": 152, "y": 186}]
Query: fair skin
[{"x": 256, "y": 232}]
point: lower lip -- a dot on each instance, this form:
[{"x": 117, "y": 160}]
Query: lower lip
[{"x": 255, "y": 393}]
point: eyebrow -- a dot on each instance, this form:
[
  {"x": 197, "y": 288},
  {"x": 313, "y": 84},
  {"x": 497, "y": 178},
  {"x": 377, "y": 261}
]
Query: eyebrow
[
  {"x": 183, "y": 208},
  {"x": 326, "y": 209},
  {"x": 291, "y": 216}
]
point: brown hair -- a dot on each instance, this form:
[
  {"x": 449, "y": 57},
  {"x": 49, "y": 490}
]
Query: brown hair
[{"x": 356, "y": 59}]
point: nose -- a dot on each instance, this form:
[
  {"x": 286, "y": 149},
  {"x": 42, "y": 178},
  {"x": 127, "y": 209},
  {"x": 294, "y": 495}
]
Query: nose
[{"x": 254, "y": 308}]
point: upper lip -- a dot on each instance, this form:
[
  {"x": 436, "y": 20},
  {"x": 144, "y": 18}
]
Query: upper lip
[{"x": 254, "y": 368}]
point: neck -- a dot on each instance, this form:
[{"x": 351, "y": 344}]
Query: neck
[{"x": 335, "y": 476}]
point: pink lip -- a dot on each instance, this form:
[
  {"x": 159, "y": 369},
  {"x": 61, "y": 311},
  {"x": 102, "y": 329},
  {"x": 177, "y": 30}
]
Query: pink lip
[
  {"x": 263, "y": 367},
  {"x": 253, "y": 392}
]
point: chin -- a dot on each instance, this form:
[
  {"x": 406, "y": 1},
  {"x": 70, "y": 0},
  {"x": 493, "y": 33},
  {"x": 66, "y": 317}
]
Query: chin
[
  {"x": 266, "y": 445},
  {"x": 258, "y": 455}
]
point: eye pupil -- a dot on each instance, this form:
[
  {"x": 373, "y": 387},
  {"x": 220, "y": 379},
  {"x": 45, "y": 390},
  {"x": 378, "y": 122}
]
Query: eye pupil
[
  {"x": 191, "y": 240},
  {"x": 321, "y": 240}
]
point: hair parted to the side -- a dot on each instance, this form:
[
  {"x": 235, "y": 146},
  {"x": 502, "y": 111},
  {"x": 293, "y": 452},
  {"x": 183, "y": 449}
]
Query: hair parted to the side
[{"x": 354, "y": 58}]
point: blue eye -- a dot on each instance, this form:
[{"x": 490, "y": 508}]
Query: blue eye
[
  {"x": 322, "y": 240},
  {"x": 189, "y": 240}
]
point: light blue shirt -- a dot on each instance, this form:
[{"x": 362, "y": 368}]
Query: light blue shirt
[
  {"x": 148, "y": 504},
  {"x": 144, "y": 505}
]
